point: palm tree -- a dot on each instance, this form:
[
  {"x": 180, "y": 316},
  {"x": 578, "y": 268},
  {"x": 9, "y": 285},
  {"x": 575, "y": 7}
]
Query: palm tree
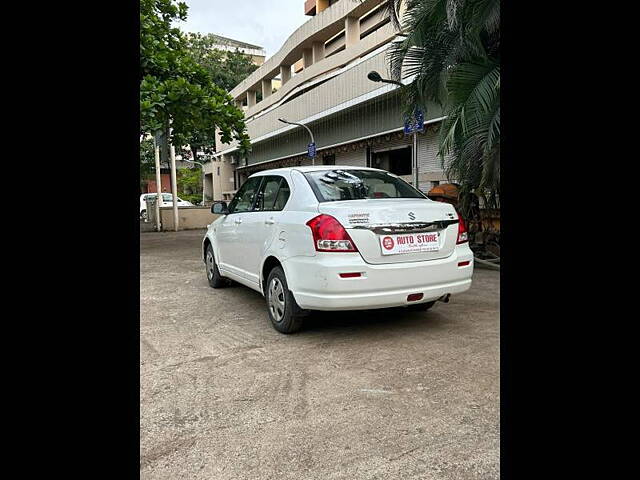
[{"x": 452, "y": 47}]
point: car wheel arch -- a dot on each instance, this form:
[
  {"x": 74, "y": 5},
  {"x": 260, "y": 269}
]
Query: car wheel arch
[
  {"x": 206, "y": 242},
  {"x": 269, "y": 263}
]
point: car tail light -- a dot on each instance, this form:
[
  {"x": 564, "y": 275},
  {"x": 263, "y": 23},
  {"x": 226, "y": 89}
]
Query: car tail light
[
  {"x": 462, "y": 231},
  {"x": 351, "y": 275},
  {"x": 329, "y": 235}
]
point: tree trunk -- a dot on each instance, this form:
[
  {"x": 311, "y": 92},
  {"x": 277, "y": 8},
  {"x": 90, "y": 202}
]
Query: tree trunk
[{"x": 194, "y": 152}]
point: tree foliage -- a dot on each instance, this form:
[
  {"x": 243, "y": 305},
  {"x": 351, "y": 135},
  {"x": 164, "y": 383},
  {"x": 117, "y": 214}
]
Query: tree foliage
[
  {"x": 227, "y": 69},
  {"x": 147, "y": 159},
  {"x": 189, "y": 181},
  {"x": 452, "y": 47},
  {"x": 175, "y": 91}
]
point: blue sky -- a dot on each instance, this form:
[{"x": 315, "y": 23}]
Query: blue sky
[{"x": 264, "y": 23}]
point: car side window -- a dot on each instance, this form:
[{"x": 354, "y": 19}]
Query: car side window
[
  {"x": 283, "y": 196},
  {"x": 273, "y": 194},
  {"x": 268, "y": 193},
  {"x": 243, "y": 200}
]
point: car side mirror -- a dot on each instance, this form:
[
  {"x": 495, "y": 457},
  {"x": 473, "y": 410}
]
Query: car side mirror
[{"x": 219, "y": 208}]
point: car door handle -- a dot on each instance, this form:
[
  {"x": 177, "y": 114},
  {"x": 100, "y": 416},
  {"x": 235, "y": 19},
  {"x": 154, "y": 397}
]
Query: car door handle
[{"x": 269, "y": 221}]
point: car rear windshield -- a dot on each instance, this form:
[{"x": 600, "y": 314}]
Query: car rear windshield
[{"x": 336, "y": 185}]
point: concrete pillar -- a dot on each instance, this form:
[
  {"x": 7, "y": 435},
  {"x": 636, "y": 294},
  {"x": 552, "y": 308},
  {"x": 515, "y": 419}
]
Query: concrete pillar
[
  {"x": 267, "y": 87},
  {"x": 251, "y": 98},
  {"x": 307, "y": 57},
  {"x": 352, "y": 31},
  {"x": 285, "y": 73},
  {"x": 208, "y": 185},
  {"x": 318, "y": 51}
]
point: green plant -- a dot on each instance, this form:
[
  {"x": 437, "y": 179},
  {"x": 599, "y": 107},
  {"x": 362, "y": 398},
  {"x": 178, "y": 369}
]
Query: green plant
[
  {"x": 191, "y": 197},
  {"x": 189, "y": 181}
]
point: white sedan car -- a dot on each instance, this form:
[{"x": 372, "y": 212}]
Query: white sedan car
[
  {"x": 166, "y": 201},
  {"x": 336, "y": 238}
]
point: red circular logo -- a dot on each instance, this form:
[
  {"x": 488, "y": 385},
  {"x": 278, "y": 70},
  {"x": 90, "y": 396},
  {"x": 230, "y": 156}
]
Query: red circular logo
[{"x": 388, "y": 243}]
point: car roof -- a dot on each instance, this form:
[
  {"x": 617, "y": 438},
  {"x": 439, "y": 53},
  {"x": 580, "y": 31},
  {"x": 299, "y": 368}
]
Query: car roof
[{"x": 314, "y": 168}]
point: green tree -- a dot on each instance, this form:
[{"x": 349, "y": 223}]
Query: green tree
[
  {"x": 227, "y": 69},
  {"x": 147, "y": 159},
  {"x": 176, "y": 92},
  {"x": 453, "y": 49},
  {"x": 189, "y": 182}
]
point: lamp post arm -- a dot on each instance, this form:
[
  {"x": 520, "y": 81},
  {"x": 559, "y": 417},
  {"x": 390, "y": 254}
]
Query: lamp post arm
[
  {"x": 392, "y": 82},
  {"x": 310, "y": 132},
  {"x": 191, "y": 161},
  {"x": 300, "y": 125}
]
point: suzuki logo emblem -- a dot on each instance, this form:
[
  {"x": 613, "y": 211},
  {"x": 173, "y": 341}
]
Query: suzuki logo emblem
[{"x": 412, "y": 216}]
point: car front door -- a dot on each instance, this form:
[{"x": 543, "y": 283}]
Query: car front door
[
  {"x": 231, "y": 244},
  {"x": 258, "y": 227}
]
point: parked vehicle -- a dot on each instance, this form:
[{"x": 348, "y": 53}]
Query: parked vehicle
[
  {"x": 165, "y": 201},
  {"x": 336, "y": 238}
]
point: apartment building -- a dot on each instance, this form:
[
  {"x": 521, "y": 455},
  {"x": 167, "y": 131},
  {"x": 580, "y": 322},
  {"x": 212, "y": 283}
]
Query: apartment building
[
  {"x": 355, "y": 121},
  {"x": 256, "y": 52}
]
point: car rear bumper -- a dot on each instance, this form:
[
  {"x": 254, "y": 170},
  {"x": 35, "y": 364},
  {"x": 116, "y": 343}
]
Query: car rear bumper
[{"x": 316, "y": 284}]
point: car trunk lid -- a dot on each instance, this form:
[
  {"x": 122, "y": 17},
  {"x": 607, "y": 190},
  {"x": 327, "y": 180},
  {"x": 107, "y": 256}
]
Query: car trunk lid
[{"x": 417, "y": 229}]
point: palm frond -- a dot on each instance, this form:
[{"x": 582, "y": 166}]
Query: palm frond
[{"x": 451, "y": 50}]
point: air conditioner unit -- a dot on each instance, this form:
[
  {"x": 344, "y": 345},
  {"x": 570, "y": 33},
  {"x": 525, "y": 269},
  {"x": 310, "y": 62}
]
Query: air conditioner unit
[{"x": 233, "y": 160}]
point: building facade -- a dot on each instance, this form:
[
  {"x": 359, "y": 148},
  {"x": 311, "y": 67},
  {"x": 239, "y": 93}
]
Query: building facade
[
  {"x": 256, "y": 52},
  {"x": 354, "y": 121}
]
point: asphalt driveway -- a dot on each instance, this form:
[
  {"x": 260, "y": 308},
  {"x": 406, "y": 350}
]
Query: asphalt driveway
[{"x": 355, "y": 395}]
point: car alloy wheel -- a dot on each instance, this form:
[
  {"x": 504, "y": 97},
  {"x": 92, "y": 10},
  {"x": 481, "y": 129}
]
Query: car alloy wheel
[
  {"x": 210, "y": 265},
  {"x": 276, "y": 299}
]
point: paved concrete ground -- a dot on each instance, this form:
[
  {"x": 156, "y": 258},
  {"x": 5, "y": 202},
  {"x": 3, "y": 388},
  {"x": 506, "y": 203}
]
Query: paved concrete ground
[{"x": 356, "y": 395}]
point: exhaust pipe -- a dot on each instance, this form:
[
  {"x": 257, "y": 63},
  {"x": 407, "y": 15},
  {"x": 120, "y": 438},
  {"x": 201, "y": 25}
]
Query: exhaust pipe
[{"x": 444, "y": 298}]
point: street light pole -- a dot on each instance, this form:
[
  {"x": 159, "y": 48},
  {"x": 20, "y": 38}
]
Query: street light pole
[
  {"x": 313, "y": 159},
  {"x": 174, "y": 184},
  {"x": 156, "y": 154},
  {"x": 376, "y": 77},
  {"x": 414, "y": 154}
]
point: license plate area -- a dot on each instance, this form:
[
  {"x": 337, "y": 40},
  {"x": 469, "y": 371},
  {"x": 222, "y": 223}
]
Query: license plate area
[{"x": 409, "y": 243}]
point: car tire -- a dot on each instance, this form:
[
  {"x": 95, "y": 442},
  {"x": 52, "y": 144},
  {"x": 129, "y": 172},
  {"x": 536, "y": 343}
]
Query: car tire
[
  {"x": 421, "y": 307},
  {"x": 285, "y": 314},
  {"x": 213, "y": 274}
]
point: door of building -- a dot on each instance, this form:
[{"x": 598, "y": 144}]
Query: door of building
[{"x": 396, "y": 161}]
